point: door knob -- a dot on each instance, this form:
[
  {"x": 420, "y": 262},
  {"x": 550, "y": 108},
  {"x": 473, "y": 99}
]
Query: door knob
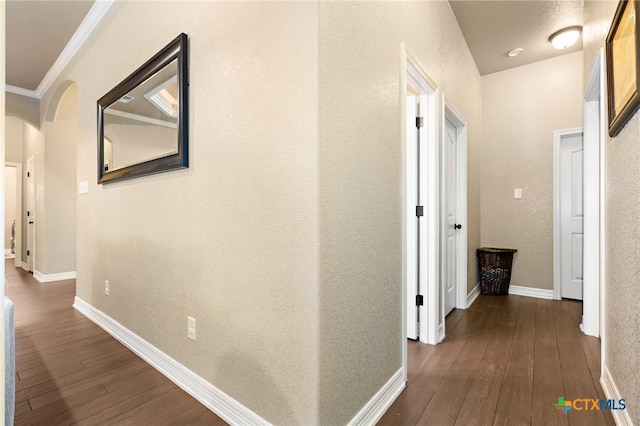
[{"x": 457, "y": 226}]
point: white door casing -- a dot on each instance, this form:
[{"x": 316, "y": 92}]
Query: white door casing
[
  {"x": 449, "y": 228},
  {"x": 595, "y": 137},
  {"x": 571, "y": 216},
  {"x": 30, "y": 215},
  {"x": 414, "y": 76},
  {"x": 411, "y": 220}
]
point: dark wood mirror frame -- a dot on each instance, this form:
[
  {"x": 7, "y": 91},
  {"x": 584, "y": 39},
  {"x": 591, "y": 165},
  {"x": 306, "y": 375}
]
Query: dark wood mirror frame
[
  {"x": 176, "y": 50},
  {"x": 620, "y": 111}
]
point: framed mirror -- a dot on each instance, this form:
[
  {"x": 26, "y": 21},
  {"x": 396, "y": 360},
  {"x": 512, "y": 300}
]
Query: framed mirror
[{"x": 143, "y": 122}]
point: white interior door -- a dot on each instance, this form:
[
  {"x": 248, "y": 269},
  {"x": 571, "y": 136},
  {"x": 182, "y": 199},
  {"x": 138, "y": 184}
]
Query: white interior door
[
  {"x": 412, "y": 220},
  {"x": 30, "y": 216},
  {"x": 450, "y": 226},
  {"x": 571, "y": 216}
]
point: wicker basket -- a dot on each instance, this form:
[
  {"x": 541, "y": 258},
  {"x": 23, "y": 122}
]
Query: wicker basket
[{"x": 495, "y": 270}]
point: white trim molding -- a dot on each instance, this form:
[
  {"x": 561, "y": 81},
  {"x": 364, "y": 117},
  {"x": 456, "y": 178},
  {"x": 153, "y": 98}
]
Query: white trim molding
[
  {"x": 381, "y": 401},
  {"x": 621, "y": 417},
  {"x": 20, "y": 91},
  {"x": 430, "y": 98},
  {"x": 88, "y": 24},
  {"x": 539, "y": 293},
  {"x": 47, "y": 278},
  {"x": 473, "y": 295},
  {"x": 230, "y": 410}
]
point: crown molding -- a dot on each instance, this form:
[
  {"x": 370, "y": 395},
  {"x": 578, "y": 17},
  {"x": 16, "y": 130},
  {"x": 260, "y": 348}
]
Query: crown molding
[
  {"x": 21, "y": 91},
  {"x": 88, "y": 24}
]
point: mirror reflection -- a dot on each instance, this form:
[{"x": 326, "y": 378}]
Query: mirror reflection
[{"x": 142, "y": 125}]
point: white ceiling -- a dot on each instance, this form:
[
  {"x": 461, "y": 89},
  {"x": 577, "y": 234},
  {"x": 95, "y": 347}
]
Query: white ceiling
[
  {"x": 36, "y": 34},
  {"x": 493, "y": 28},
  {"x": 38, "y": 31}
]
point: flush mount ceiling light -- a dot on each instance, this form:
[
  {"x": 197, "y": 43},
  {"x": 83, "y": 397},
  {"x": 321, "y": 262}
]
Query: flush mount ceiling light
[
  {"x": 515, "y": 52},
  {"x": 565, "y": 38}
]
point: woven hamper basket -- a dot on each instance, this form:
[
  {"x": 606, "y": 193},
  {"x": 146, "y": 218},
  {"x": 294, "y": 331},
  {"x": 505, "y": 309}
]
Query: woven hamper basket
[{"x": 495, "y": 270}]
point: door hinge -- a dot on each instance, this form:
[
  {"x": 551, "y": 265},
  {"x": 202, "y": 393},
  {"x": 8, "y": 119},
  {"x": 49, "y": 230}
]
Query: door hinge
[
  {"x": 28, "y": 213},
  {"x": 28, "y": 253},
  {"x": 419, "y": 300},
  {"x": 28, "y": 174},
  {"x": 419, "y": 122},
  {"x": 419, "y": 211}
]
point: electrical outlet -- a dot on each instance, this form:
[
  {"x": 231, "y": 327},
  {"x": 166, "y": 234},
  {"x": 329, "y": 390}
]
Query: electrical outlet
[
  {"x": 517, "y": 193},
  {"x": 106, "y": 287},
  {"x": 191, "y": 328}
]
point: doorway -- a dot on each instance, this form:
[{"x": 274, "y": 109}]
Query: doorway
[
  {"x": 453, "y": 253},
  {"x": 420, "y": 166},
  {"x": 13, "y": 212},
  {"x": 30, "y": 215},
  {"x": 423, "y": 135},
  {"x": 569, "y": 187}
]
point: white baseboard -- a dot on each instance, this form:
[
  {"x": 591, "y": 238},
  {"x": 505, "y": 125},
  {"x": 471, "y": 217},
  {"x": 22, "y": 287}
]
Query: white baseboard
[
  {"x": 25, "y": 266},
  {"x": 473, "y": 295},
  {"x": 531, "y": 292},
  {"x": 621, "y": 417},
  {"x": 47, "y": 278},
  {"x": 210, "y": 396},
  {"x": 381, "y": 401},
  {"x": 7, "y": 251}
]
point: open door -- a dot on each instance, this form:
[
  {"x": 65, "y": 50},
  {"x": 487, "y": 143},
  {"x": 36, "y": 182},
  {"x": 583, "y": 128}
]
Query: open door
[
  {"x": 571, "y": 216},
  {"x": 413, "y": 165},
  {"x": 30, "y": 215}
]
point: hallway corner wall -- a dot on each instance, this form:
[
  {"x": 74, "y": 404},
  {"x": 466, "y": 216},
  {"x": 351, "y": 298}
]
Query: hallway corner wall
[
  {"x": 622, "y": 236},
  {"x": 360, "y": 183},
  {"x": 231, "y": 240},
  {"x": 521, "y": 108}
]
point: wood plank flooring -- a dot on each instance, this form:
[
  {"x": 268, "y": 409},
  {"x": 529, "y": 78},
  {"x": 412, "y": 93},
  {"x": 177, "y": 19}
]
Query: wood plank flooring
[
  {"x": 505, "y": 361},
  {"x": 70, "y": 371}
]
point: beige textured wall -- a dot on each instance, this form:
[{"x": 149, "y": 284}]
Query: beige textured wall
[
  {"x": 14, "y": 137},
  {"x": 622, "y": 236},
  {"x": 521, "y": 108},
  {"x": 360, "y": 182},
  {"x": 60, "y": 187},
  {"x": 23, "y": 107},
  {"x": 232, "y": 240}
]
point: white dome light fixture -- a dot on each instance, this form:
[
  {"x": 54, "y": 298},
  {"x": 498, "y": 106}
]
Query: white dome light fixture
[
  {"x": 515, "y": 52},
  {"x": 565, "y": 38}
]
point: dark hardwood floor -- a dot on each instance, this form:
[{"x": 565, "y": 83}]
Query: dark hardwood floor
[
  {"x": 505, "y": 361},
  {"x": 70, "y": 371}
]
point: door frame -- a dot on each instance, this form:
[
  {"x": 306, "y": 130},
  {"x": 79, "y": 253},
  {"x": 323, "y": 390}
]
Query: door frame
[
  {"x": 19, "y": 211},
  {"x": 451, "y": 114},
  {"x": 35, "y": 202},
  {"x": 558, "y": 135},
  {"x": 411, "y": 68},
  {"x": 595, "y": 137}
]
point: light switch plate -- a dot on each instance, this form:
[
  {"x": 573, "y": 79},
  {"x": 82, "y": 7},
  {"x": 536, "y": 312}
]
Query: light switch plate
[
  {"x": 191, "y": 328},
  {"x": 517, "y": 193},
  {"x": 83, "y": 187}
]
